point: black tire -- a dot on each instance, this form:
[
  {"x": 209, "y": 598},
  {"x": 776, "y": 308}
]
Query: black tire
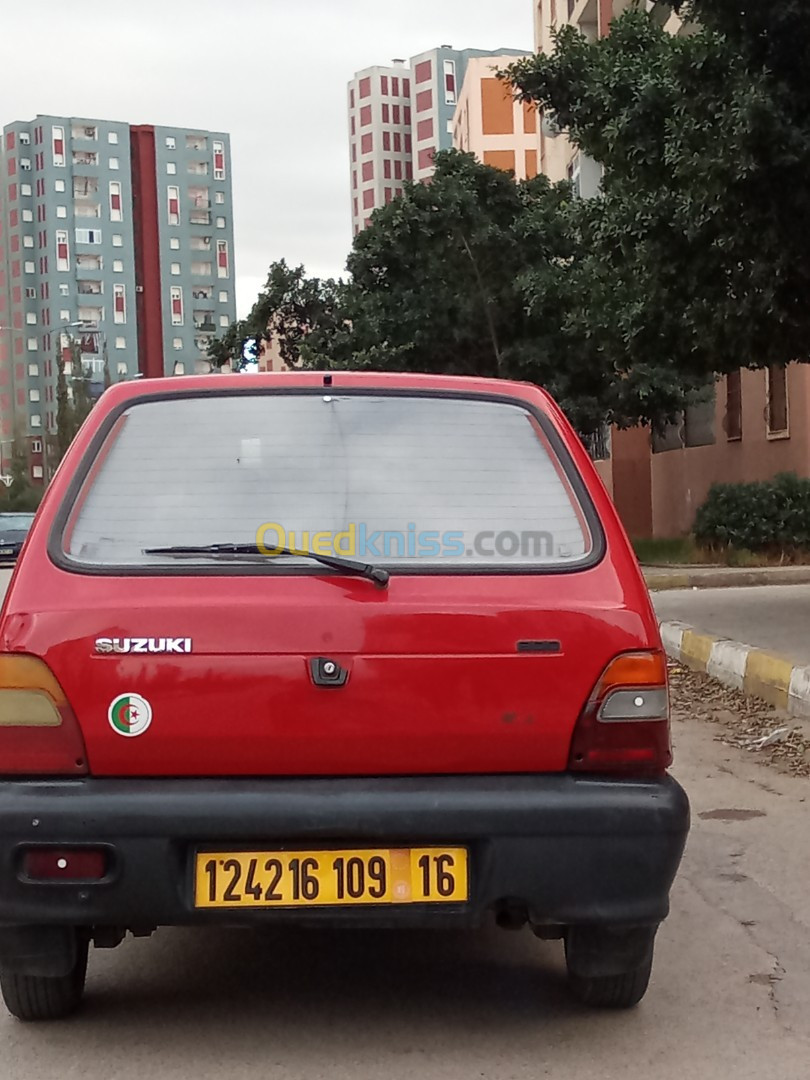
[
  {"x": 612, "y": 991},
  {"x": 38, "y": 997}
]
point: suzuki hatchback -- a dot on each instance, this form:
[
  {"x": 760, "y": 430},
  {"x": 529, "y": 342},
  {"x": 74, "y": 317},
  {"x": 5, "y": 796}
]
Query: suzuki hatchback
[{"x": 348, "y": 649}]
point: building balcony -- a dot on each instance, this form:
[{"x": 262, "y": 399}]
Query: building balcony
[
  {"x": 87, "y": 210},
  {"x": 207, "y": 325},
  {"x": 200, "y": 217}
]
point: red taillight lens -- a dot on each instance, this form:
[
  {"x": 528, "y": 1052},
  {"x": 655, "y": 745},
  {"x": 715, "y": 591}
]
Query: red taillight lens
[
  {"x": 64, "y": 864},
  {"x": 39, "y": 735},
  {"x": 625, "y": 725}
]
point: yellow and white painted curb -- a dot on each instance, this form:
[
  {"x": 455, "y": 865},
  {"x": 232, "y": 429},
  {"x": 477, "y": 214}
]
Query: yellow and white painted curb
[{"x": 761, "y": 674}]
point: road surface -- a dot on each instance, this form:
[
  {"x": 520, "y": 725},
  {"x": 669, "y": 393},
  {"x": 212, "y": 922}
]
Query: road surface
[
  {"x": 771, "y": 617},
  {"x": 728, "y": 998}
]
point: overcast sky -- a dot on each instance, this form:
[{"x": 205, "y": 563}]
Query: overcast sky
[{"x": 273, "y": 73}]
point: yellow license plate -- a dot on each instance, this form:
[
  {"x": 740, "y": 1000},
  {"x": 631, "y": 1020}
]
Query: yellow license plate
[{"x": 266, "y": 879}]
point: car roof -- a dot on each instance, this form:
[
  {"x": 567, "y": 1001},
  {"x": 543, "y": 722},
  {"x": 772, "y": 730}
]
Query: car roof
[{"x": 380, "y": 380}]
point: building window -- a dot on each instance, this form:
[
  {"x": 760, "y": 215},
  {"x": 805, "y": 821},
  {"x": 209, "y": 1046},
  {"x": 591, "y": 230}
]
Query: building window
[
  {"x": 59, "y": 185},
  {"x": 36, "y": 420},
  {"x": 31, "y": 293},
  {"x": 778, "y": 407},
  {"x": 365, "y": 116},
  {"x": 397, "y": 142},
  {"x": 220, "y": 222},
  {"x": 387, "y": 140},
  {"x": 32, "y": 344},
  {"x": 33, "y": 395},
  {"x": 62, "y": 250},
  {"x": 223, "y": 269},
  {"x": 387, "y": 169},
  {"x": 122, "y": 367},
  {"x": 119, "y": 304},
  {"x": 120, "y": 343},
  {"x": 171, "y": 168},
  {"x": 219, "y": 160},
  {"x": 733, "y": 424},
  {"x": 33, "y": 371},
  {"x": 424, "y": 101},
  {"x": 114, "y": 163},
  {"x": 426, "y": 158},
  {"x": 174, "y": 269},
  {"x": 367, "y": 144},
  {"x": 112, "y": 138},
  {"x": 219, "y": 197},
  {"x": 365, "y": 88},
  {"x": 58, "y": 142},
  {"x": 384, "y": 85},
  {"x": 88, "y": 236},
  {"x": 64, "y": 315},
  {"x": 177, "y": 309},
  {"x": 171, "y": 143},
  {"x": 28, "y": 215},
  {"x": 397, "y": 117},
  {"x": 116, "y": 213},
  {"x": 28, "y": 241},
  {"x": 118, "y": 266},
  {"x": 368, "y": 199},
  {"x": 173, "y": 196},
  {"x": 64, "y": 290},
  {"x": 36, "y": 472},
  {"x": 395, "y": 86},
  {"x": 224, "y": 321},
  {"x": 36, "y": 446},
  {"x": 31, "y": 318},
  {"x": 29, "y": 267},
  {"x": 26, "y": 189},
  {"x": 386, "y": 113},
  {"x": 449, "y": 82},
  {"x": 223, "y": 296},
  {"x": 117, "y": 240},
  {"x": 177, "y": 343},
  {"x": 61, "y": 211}
]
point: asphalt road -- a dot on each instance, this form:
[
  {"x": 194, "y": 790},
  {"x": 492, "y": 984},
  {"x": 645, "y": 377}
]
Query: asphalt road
[
  {"x": 728, "y": 998},
  {"x": 772, "y": 617}
]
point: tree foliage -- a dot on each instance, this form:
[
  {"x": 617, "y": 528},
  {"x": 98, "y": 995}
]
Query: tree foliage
[
  {"x": 692, "y": 260},
  {"x": 300, "y": 313},
  {"x": 697, "y": 246}
]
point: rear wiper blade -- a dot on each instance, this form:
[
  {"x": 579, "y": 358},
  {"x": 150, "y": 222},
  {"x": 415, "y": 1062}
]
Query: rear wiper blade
[{"x": 376, "y": 574}]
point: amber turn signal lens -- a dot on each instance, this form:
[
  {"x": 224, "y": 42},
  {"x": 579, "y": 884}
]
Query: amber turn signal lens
[{"x": 39, "y": 735}]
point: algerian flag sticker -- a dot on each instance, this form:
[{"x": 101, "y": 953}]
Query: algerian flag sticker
[{"x": 130, "y": 715}]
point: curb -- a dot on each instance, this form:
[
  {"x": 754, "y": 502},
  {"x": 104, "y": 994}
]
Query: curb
[
  {"x": 755, "y": 672},
  {"x": 662, "y": 580}
]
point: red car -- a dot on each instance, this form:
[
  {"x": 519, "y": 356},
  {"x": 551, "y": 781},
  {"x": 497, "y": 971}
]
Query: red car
[{"x": 354, "y": 649}]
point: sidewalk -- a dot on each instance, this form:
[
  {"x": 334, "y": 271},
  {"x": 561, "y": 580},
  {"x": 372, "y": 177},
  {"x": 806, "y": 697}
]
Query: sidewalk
[
  {"x": 660, "y": 578},
  {"x": 754, "y": 639}
]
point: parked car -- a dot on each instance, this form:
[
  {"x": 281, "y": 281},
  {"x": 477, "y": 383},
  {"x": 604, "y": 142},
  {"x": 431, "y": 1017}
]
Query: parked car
[
  {"x": 14, "y": 528},
  {"x": 350, "y": 649}
]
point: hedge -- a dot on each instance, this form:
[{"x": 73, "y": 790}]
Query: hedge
[{"x": 769, "y": 516}]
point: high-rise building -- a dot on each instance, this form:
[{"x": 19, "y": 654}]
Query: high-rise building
[
  {"x": 399, "y": 118},
  {"x": 492, "y": 124},
  {"x": 116, "y": 242}
]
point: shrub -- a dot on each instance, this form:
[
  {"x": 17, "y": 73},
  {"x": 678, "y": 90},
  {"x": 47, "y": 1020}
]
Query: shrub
[{"x": 771, "y": 515}]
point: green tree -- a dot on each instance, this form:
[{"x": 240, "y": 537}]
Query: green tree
[
  {"x": 21, "y": 494},
  {"x": 301, "y": 313},
  {"x": 695, "y": 254},
  {"x": 475, "y": 274}
]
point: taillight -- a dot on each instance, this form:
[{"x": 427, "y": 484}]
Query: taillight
[
  {"x": 625, "y": 725},
  {"x": 39, "y": 735},
  {"x": 64, "y": 864}
]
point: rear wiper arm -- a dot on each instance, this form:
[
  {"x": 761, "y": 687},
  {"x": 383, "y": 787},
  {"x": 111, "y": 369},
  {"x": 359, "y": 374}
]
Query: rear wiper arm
[{"x": 376, "y": 574}]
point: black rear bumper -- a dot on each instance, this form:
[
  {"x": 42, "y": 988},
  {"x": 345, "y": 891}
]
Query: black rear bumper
[{"x": 568, "y": 850}]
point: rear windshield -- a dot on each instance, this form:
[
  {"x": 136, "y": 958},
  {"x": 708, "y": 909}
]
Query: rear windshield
[{"x": 416, "y": 481}]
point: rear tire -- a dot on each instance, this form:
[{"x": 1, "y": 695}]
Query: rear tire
[
  {"x": 40, "y": 997},
  {"x": 612, "y": 991}
]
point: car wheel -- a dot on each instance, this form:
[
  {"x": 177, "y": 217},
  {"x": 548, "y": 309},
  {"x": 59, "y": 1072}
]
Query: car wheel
[
  {"x": 40, "y": 997},
  {"x": 609, "y": 968},
  {"x": 612, "y": 991}
]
